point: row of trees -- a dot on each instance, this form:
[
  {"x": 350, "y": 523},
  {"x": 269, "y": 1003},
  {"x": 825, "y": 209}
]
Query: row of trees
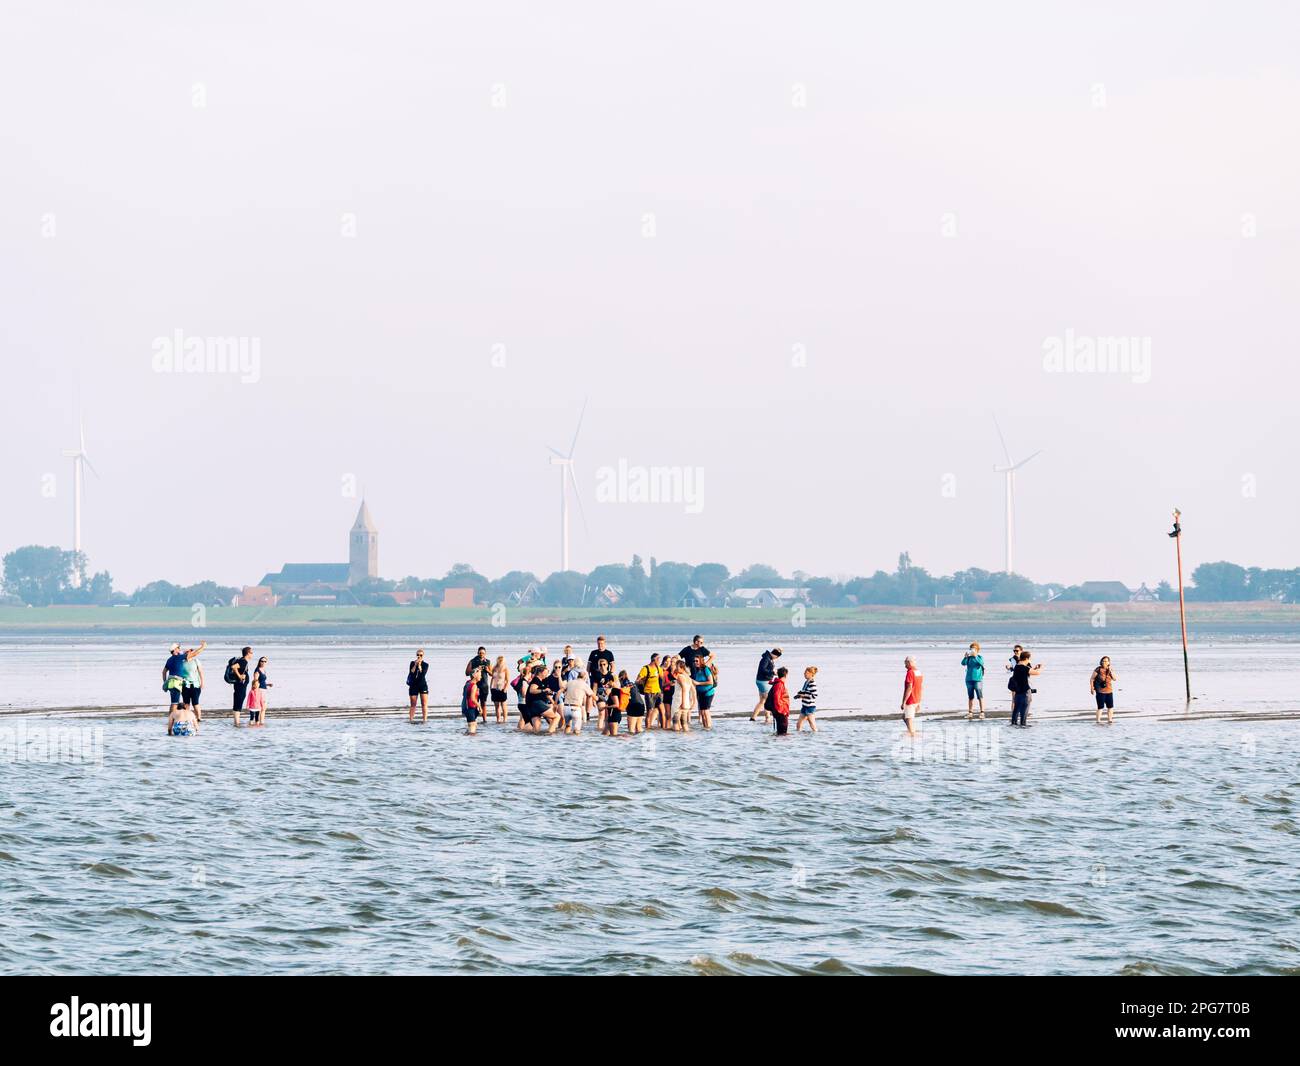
[
  {"x": 41, "y": 576},
  {"x": 665, "y": 584}
]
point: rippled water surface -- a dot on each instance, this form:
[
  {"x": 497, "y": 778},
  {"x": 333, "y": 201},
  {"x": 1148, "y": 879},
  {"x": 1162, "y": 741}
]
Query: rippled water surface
[{"x": 374, "y": 846}]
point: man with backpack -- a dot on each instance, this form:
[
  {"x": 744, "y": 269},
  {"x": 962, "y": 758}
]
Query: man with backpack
[
  {"x": 239, "y": 672},
  {"x": 648, "y": 683}
]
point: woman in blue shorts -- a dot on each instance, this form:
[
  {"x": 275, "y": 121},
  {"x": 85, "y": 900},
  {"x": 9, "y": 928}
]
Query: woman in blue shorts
[
  {"x": 974, "y": 663},
  {"x": 763, "y": 680}
]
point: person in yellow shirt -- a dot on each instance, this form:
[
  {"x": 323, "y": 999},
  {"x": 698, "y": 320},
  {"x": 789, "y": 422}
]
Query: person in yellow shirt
[{"x": 648, "y": 684}]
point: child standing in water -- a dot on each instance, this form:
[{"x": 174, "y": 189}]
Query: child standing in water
[
  {"x": 471, "y": 704},
  {"x": 181, "y": 722},
  {"x": 807, "y": 697},
  {"x": 778, "y": 703},
  {"x": 257, "y": 695}
]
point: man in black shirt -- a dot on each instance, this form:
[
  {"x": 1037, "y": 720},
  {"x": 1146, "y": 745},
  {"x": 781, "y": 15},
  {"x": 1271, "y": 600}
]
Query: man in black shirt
[
  {"x": 1022, "y": 693},
  {"x": 696, "y": 648},
  {"x": 600, "y": 653}
]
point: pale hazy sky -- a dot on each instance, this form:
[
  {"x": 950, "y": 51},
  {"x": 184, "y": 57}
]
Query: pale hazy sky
[{"x": 963, "y": 183}]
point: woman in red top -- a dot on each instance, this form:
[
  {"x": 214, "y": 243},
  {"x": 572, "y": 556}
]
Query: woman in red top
[
  {"x": 471, "y": 704},
  {"x": 781, "y": 702}
]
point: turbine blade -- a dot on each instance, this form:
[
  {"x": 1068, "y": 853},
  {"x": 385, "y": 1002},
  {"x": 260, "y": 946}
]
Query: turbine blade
[
  {"x": 1003, "y": 439},
  {"x": 556, "y": 451},
  {"x": 86, "y": 459},
  {"x": 573, "y": 480},
  {"x": 574, "y": 444},
  {"x": 1026, "y": 459}
]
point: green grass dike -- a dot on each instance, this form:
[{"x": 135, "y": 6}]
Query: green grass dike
[{"x": 1045, "y": 617}]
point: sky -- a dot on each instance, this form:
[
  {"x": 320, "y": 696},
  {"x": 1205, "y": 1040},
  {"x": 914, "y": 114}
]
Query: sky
[{"x": 796, "y": 258}]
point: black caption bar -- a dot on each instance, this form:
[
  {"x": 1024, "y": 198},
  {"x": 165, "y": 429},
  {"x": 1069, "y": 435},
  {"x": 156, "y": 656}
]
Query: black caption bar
[{"x": 212, "y": 1015}]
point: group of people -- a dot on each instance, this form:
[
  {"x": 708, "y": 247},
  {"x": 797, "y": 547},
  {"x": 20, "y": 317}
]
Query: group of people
[
  {"x": 667, "y": 692},
  {"x": 182, "y": 677},
  {"x": 1020, "y": 668}
]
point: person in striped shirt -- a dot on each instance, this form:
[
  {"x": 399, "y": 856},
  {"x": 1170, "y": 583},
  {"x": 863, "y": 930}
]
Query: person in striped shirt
[{"x": 807, "y": 697}]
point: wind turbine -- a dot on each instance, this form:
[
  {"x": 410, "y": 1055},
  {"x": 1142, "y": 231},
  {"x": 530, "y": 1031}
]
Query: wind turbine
[
  {"x": 567, "y": 477},
  {"x": 80, "y": 460},
  {"x": 1010, "y": 471}
]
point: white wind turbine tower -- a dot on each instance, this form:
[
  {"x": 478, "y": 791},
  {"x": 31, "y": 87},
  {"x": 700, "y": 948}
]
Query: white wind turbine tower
[
  {"x": 567, "y": 477},
  {"x": 1010, "y": 471},
  {"x": 80, "y": 460}
]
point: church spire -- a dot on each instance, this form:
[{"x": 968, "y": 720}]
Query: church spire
[
  {"x": 363, "y": 548},
  {"x": 364, "y": 521}
]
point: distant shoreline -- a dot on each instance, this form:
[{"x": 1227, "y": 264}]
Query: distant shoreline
[{"x": 973, "y": 619}]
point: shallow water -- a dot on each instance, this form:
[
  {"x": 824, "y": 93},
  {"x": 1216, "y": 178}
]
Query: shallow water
[
  {"x": 1255, "y": 675},
  {"x": 374, "y": 846}
]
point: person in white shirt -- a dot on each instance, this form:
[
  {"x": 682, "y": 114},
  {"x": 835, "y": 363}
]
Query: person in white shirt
[
  {"x": 577, "y": 700},
  {"x": 684, "y": 700}
]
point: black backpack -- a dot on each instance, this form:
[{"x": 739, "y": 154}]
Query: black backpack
[
  {"x": 231, "y": 677},
  {"x": 769, "y": 703}
]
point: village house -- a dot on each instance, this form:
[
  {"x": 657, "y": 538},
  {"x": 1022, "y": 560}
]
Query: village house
[
  {"x": 460, "y": 597},
  {"x": 603, "y": 595},
  {"x": 769, "y": 597},
  {"x": 255, "y": 596},
  {"x": 528, "y": 596}
]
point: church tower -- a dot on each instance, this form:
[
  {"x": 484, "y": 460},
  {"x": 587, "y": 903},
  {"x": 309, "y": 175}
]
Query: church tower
[{"x": 363, "y": 548}]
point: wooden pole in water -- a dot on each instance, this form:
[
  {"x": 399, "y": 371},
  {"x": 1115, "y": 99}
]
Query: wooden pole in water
[{"x": 1177, "y": 534}]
